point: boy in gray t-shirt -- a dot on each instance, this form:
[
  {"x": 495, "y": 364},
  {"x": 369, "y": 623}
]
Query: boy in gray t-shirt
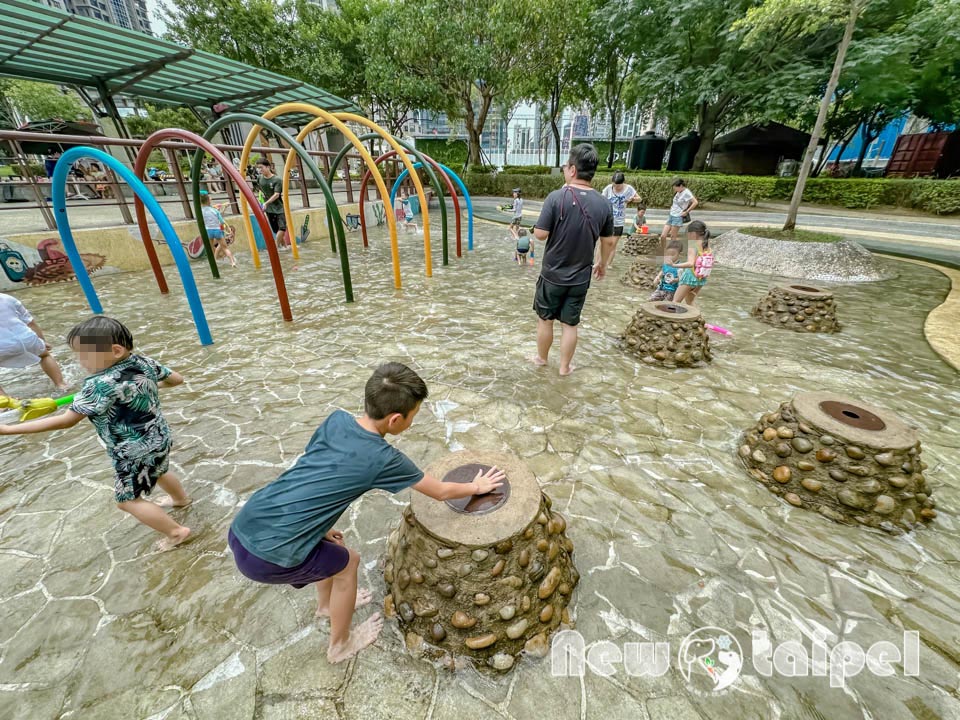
[{"x": 284, "y": 535}]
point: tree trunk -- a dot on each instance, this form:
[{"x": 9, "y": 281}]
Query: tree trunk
[
  {"x": 613, "y": 137},
  {"x": 868, "y": 137},
  {"x": 708, "y": 131},
  {"x": 554, "y": 111},
  {"x": 475, "y": 123},
  {"x": 844, "y": 145},
  {"x": 473, "y": 136},
  {"x": 791, "y": 221}
]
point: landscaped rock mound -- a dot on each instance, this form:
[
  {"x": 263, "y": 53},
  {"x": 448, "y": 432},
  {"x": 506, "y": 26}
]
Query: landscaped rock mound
[
  {"x": 642, "y": 273},
  {"x": 800, "y": 308},
  {"x": 844, "y": 261},
  {"x": 843, "y": 458},
  {"x": 483, "y": 578},
  {"x": 664, "y": 333},
  {"x": 640, "y": 244}
]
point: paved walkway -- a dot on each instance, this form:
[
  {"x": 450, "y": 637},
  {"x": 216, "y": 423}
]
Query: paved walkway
[{"x": 934, "y": 242}]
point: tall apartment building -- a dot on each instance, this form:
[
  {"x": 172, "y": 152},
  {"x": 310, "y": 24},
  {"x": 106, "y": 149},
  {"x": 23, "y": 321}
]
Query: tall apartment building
[{"x": 130, "y": 14}]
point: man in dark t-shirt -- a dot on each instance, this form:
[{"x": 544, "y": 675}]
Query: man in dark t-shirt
[
  {"x": 271, "y": 186},
  {"x": 571, "y": 221}
]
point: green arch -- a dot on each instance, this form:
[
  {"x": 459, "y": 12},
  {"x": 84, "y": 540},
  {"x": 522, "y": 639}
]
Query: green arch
[
  {"x": 434, "y": 181},
  {"x": 332, "y": 209}
]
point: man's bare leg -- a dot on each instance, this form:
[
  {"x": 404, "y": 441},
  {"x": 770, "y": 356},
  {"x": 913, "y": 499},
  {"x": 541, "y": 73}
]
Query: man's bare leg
[
  {"x": 176, "y": 496},
  {"x": 568, "y": 346},
  {"x": 544, "y": 341},
  {"x": 344, "y": 641}
]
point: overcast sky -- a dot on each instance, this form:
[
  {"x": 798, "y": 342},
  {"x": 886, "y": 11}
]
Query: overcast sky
[{"x": 153, "y": 7}]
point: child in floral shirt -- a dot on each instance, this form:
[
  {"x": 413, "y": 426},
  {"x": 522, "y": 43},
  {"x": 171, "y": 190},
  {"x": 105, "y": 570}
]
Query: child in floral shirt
[{"x": 121, "y": 399}]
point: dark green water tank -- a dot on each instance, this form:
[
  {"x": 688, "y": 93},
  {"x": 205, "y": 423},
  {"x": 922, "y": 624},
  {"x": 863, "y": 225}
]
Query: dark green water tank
[
  {"x": 682, "y": 152},
  {"x": 646, "y": 152}
]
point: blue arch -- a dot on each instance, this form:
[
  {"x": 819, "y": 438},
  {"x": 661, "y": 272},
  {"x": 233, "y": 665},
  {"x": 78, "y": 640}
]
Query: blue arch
[
  {"x": 59, "y": 188},
  {"x": 463, "y": 190}
]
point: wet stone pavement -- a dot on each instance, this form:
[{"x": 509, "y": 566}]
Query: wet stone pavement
[{"x": 670, "y": 533}]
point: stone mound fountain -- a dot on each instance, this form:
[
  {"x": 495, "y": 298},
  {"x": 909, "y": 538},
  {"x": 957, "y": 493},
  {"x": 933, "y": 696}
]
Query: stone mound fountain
[
  {"x": 642, "y": 273},
  {"x": 486, "y": 577},
  {"x": 641, "y": 244},
  {"x": 798, "y": 307},
  {"x": 668, "y": 334},
  {"x": 849, "y": 461}
]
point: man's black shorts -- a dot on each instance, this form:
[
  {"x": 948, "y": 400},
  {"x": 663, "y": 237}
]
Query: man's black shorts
[
  {"x": 618, "y": 230},
  {"x": 278, "y": 221},
  {"x": 559, "y": 302}
]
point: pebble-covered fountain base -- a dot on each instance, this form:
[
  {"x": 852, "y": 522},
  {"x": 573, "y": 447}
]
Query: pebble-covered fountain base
[
  {"x": 843, "y": 458},
  {"x": 485, "y": 578},
  {"x": 641, "y": 244},
  {"x": 797, "y": 307},
  {"x": 642, "y": 273},
  {"x": 668, "y": 334}
]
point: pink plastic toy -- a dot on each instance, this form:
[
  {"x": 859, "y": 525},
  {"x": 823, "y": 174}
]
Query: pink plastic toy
[{"x": 717, "y": 329}]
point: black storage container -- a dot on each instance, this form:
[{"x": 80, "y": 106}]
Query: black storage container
[
  {"x": 682, "y": 152},
  {"x": 646, "y": 152}
]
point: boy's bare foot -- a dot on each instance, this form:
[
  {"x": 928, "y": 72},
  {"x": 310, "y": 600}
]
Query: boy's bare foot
[
  {"x": 570, "y": 369},
  {"x": 364, "y": 597},
  {"x": 168, "y": 502},
  {"x": 175, "y": 538},
  {"x": 63, "y": 388},
  {"x": 538, "y": 361},
  {"x": 362, "y": 635}
]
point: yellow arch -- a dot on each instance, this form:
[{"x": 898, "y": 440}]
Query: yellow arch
[
  {"x": 310, "y": 109},
  {"x": 322, "y": 118},
  {"x": 405, "y": 156}
]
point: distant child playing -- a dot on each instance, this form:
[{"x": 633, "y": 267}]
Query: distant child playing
[
  {"x": 284, "y": 533},
  {"x": 271, "y": 186},
  {"x": 408, "y": 223},
  {"x": 22, "y": 343},
  {"x": 517, "y": 208},
  {"x": 666, "y": 280},
  {"x": 524, "y": 245},
  {"x": 214, "y": 223},
  {"x": 699, "y": 263},
  {"x": 122, "y": 401}
]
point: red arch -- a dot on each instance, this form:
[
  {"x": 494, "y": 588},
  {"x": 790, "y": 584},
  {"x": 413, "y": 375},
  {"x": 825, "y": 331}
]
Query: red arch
[
  {"x": 436, "y": 167},
  {"x": 238, "y": 179}
]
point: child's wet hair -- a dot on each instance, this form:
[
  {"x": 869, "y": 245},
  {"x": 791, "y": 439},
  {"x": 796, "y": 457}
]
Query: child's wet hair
[
  {"x": 698, "y": 227},
  {"x": 102, "y": 332},
  {"x": 675, "y": 245},
  {"x": 393, "y": 388},
  {"x": 521, "y": 233}
]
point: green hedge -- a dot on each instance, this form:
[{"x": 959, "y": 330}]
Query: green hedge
[{"x": 941, "y": 197}]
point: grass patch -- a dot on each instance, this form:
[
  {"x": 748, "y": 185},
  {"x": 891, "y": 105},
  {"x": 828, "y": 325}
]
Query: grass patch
[{"x": 795, "y": 235}]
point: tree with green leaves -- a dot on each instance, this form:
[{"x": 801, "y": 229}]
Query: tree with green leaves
[
  {"x": 873, "y": 67},
  {"x": 705, "y": 72},
  {"x": 470, "y": 54},
  {"x": 23, "y": 99},
  {"x": 159, "y": 117},
  {"x": 562, "y": 69},
  {"x": 283, "y": 36}
]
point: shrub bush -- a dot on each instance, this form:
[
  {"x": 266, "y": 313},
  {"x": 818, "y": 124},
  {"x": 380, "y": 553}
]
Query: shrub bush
[{"x": 940, "y": 197}]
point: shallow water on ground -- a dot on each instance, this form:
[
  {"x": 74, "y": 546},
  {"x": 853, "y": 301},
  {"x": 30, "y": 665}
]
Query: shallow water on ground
[{"x": 670, "y": 533}]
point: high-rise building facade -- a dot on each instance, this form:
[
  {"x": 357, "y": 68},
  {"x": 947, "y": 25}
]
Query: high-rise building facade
[{"x": 130, "y": 14}]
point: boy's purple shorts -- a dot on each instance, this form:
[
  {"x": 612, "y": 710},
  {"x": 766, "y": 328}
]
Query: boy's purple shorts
[{"x": 324, "y": 561}]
